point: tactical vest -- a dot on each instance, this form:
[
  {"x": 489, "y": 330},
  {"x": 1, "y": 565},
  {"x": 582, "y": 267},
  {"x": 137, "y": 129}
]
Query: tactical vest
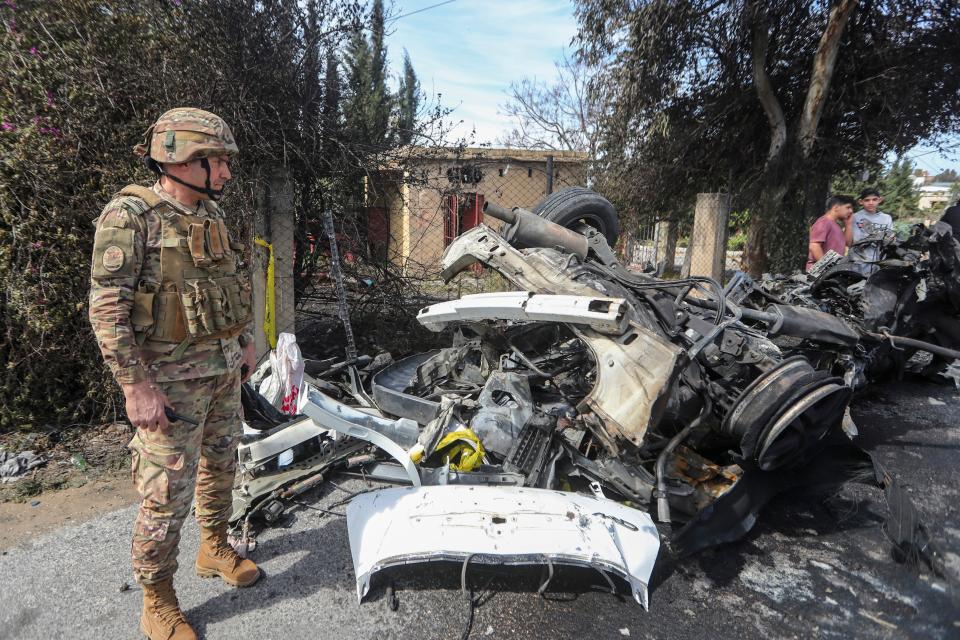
[{"x": 200, "y": 295}]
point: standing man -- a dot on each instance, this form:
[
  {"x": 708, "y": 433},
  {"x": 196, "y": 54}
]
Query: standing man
[
  {"x": 171, "y": 313},
  {"x": 826, "y": 233},
  {"x": 867, "y": 229}
]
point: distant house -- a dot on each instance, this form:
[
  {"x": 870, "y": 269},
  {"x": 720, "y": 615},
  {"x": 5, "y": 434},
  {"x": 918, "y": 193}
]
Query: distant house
[
  {"x": 414, "y": 213},
  {"x": 935, "y": 195}
]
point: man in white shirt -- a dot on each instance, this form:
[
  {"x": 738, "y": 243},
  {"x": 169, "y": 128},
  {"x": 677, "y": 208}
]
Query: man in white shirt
[{"x": 867, "y": 224}]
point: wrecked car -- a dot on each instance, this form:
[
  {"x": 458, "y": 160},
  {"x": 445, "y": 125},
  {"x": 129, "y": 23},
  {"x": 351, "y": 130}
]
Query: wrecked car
[
  {"x": 567, "y": 415},
  {"x": 908, "y": 301}
]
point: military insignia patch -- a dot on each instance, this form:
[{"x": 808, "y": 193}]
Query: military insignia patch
[{"x": 113, "y": 258}]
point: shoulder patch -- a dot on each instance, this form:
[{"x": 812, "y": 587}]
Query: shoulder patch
[
  {"x": 113, "y": 258},
  {"x": 113, "y": 252}
]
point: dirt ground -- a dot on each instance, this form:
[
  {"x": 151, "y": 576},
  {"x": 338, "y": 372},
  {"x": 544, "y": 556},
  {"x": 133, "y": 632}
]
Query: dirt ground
[{"x": 85, "y": 475}]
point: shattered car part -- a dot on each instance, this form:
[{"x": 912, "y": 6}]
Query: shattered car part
[
  {"x": 506, "y": 407},
  {"x": 705, "y": 401},
  {"x": 606, "y": 315},
  {"x": 389, "y": 386},
  {"x": 516, "y": 526},
  {"x": 393, "y": 436}
]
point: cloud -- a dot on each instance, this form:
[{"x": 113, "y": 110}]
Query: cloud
[{"x": 471, "y": 51}]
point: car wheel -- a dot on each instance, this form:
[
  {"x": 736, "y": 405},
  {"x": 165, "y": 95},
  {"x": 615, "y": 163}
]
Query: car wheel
[{"x": 577, "y": 207}]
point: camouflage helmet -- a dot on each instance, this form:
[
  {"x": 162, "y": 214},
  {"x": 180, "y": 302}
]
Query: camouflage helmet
[{"x": 184, "y": 134}]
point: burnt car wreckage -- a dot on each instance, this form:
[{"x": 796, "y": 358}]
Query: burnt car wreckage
[{"x": 566, "y": 412}]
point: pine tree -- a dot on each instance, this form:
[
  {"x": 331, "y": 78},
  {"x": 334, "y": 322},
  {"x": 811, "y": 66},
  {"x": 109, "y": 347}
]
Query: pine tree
[
  {"x": 369, "y": 103},
  {"x": 380, "y": 98},
  {"x": 900, "y": 199},
  {"x": 408, "y": 101}
]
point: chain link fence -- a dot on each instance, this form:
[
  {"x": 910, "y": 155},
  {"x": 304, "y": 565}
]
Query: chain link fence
[{"x": 391, "y": 240}]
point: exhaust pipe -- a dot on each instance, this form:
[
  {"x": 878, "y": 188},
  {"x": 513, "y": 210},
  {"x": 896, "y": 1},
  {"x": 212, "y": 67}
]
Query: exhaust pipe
[{"x": 527, "y": 229}]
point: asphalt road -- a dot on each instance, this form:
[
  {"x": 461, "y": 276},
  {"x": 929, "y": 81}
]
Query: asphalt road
[{"x": 812, "y": 567}]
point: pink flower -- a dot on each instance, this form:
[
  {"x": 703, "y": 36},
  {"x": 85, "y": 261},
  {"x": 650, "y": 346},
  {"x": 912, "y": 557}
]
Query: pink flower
[
  {"x": 8, "y": 126},
  {"x": 11, "y": 4},
  {"x": 33, "y": 51}
]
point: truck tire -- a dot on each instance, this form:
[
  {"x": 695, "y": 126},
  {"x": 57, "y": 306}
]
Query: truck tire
[{"x": 574, "y": 207}]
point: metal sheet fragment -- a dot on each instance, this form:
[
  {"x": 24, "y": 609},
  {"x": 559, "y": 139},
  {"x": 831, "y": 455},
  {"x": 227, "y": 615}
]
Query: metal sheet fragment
[{"x": 516, "y": 525}]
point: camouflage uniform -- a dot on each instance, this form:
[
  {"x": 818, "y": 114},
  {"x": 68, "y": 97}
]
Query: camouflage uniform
[{"x": 200, "y": 376}]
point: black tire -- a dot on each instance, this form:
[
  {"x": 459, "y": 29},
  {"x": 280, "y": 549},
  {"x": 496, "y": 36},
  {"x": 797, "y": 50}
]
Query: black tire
[{"x": 575, "y": 207}]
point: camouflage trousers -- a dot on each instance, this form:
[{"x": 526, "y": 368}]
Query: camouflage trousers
[{"x": 169, "y": 469}]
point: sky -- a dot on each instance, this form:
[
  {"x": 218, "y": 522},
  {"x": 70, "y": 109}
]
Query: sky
[{"x": 469, "y": 51}]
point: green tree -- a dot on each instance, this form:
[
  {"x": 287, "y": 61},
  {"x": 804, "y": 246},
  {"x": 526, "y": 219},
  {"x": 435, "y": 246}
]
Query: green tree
[
  {"x": 895, "y": 184},
  {"x": 900, "y": 199},
  {"x": 82, "y": 81},
  {"x": 370, "y": 102},
  {"x": 767, "y": 100},
  {"x": 408, "y": 102}
]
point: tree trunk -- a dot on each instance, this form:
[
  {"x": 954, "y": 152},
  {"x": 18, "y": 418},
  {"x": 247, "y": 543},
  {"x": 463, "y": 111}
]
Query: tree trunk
[{"x": 778, "y": 233}]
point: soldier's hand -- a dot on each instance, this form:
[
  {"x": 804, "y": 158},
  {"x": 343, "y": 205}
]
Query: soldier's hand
[{"x": 145, "y": 402}]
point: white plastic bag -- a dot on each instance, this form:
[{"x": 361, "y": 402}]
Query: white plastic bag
[{"x": 284, "y": 386}]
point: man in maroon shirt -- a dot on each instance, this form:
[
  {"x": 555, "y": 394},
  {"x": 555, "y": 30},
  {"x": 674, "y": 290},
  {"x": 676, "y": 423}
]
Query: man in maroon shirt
[{"x": 826, "y": 233}]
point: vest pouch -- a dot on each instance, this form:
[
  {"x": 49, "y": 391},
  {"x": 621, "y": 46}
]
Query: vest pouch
[
  {"x": 169, "y": 323},
  {"x": 236, "y": 300},
  {"x": 224, "y": 237},
  {"x": 142, "y": 314},
  {"x": 214, "y": 241},
  {"x": 203, "y": 312},
  {"x": 197, "y": 243}
]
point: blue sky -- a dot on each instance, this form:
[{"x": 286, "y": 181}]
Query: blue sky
[{"x": 469, "y": 51}]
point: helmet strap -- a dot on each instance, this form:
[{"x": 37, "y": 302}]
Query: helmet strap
[{"x": 214, "y": 194}]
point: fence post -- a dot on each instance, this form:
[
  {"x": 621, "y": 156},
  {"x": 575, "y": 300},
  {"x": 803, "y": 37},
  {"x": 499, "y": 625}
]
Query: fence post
[
  {"x": 273, "y": 225},
  {"x": 708, "y": 241},
  {"x": 549, "y": 174},
  {"x": 282, "y": 219},
  {"x": 665, "y": 245}
]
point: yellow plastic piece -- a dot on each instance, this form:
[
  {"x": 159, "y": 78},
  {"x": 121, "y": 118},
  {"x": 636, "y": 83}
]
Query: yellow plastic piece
[
  {"x": 416, "y": 453},
  {"x": 270, "y": 304},
  {"x": 462, "y": 448}
]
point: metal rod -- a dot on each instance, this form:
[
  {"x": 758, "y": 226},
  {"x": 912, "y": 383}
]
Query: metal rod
[
  {"x": 337, "y": 277},
  {"x": 663, "y": 504},
  {"x": 549, "y": 174}
]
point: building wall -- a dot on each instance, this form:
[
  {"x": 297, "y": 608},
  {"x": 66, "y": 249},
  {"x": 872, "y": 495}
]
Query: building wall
[{"x": 417, "y": 220}]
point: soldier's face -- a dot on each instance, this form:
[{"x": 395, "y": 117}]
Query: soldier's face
[{"x": 193, "y": 172}]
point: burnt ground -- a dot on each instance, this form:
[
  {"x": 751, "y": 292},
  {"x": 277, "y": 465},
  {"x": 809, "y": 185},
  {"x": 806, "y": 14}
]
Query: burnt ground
[{"x": 814, "y": 566}]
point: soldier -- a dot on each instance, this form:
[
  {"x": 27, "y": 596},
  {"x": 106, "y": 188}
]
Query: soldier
[{"x": 171, "y": 313}]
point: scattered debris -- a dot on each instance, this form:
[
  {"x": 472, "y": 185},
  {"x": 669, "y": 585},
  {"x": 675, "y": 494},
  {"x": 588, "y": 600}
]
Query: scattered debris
[
  {"x": 565, "y": 411},
  {"x": 936, "y": 403},
  {"x": 875, "y": 618},
  {"x": 79, "y": 461},
  {"x": 625, "y": 632},
  {"x": 14, "y": 466}
]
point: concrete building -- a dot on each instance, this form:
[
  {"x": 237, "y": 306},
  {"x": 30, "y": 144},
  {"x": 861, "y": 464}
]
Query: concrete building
[
  {"x": 414, "y": 213},
  {"x": 935, "y": 195}
]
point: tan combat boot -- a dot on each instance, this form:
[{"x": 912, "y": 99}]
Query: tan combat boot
[
  {"x": 217, "y": 558},
  {"x": 162, "y": 618}
]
